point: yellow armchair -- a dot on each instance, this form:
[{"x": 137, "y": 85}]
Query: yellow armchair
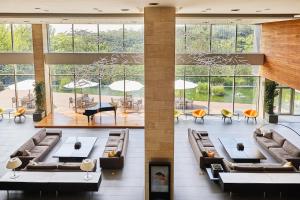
[
  {"x": 177, "y": 114},
  {"x": 1, "y": 113},
  {"x": 199, "y": 113},
  {"x": 20, "y": 113},
  {"x": 226, "y": 114},
  {"x": 250, "y": 114}
]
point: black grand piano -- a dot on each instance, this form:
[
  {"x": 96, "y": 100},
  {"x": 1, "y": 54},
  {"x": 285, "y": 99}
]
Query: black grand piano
[{"x": 91, "y": 111}]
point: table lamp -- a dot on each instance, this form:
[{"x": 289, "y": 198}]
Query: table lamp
[
  {"x": 87, "y": 165},
  {"x": 13, "y": 164}
]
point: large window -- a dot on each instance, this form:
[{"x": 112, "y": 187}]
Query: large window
[
  {"x": 288, "y": 101},
  {"x": 214, "y": 88},
  {"x": 204, "y": 38},
  {"x": 104, "y": 38},
  {"x": 76, "y": 87},
  {"x": 16, "y": 85},
  {"x": 15, "y": 38}
]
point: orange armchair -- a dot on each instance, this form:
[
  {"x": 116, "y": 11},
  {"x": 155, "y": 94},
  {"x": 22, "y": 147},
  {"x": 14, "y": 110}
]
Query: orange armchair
[
  {"x": 199, "y": 113},
  {"x": 20, "y": 113},
  {"x": 250, "y": 114}
]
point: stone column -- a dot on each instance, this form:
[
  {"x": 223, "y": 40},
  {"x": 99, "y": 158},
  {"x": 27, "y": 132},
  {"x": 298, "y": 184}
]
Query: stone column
[
  {"x": 41, "y": 70},
  {"x": 159, "y": 23}
]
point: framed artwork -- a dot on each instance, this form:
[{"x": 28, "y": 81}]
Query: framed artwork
[{"x": 159, "y": 180}]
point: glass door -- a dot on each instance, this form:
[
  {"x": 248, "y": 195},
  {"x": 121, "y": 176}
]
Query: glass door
[{"x": 285, "y": 99}]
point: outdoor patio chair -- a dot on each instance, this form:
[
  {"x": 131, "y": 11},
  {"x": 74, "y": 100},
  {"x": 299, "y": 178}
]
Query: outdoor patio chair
[
  {"x": 177, "y": 114},
  {"x": 138, "y": 104},
  {"x": 199, "y": 113},
  {"x": 226, "y": 114},
  {"x": 71, "y": 101},
  {"x": 20, "y": 113},
  {"x": 251, "y": 114},
  {"x": 1, "y": 113}
]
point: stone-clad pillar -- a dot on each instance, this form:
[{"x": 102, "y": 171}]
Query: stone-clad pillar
[
  {"x": 39, "y": 42},
  {"x": 159, "y": 38}
]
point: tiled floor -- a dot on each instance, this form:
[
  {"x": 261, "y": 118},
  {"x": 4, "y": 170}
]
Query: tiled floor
[{"x": 190, "y": 182}]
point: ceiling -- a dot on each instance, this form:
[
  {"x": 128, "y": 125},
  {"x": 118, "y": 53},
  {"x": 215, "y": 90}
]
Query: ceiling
[{"x": 52, "y": 11}]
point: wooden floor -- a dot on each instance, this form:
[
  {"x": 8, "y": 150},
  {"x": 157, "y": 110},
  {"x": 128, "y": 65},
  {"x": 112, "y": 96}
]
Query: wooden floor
[
  {"x": 190, "y": 182},
  {"x": 101, "y": 120}
]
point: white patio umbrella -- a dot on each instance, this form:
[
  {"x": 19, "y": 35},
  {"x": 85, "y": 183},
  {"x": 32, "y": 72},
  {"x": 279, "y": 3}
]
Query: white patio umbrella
[
  {"x": 129, "y": 85},
  {"x": 23, "y": 85},
  {"x": 82, "y": 83},
  {"x": 180, "y": 85}
]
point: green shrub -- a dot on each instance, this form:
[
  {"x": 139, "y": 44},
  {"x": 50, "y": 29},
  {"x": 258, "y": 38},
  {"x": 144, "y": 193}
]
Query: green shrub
[
  {"x": 218, "y": 90},
  {"x": 202, "y": 88}
]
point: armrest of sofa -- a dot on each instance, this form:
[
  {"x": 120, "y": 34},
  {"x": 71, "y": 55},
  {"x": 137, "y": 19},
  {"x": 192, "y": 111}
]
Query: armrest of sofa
[{"x": 54, "y": 132}]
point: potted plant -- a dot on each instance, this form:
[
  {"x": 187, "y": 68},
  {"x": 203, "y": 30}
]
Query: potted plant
[
  {"x": 270, "y": 93},
  {"x": 39, "y": 92}
]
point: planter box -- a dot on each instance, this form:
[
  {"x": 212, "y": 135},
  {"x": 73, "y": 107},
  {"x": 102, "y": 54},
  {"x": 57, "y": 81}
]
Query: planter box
[
  {"x": 38, "y": 116},
  {"x": 271, "y": 118}
]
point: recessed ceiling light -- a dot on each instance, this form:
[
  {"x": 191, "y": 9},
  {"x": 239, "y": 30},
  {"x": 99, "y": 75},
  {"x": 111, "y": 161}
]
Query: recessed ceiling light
[
  {"x": 124, "y": 9},
  {"x": 208, "y": 8},
  {"x": 153, "y": 4},
  {"x": 203, "y": 11},
  {"x": 205, "y": 22},
  {"x": 258, "y": 11},
  {"x": 37, "y": 8},
  {"x": 235, "y": 10},
  {"x": 26, "y": 21},
  {"x": 46, "y": 10},
  {"x": 65, "y": 19},
  {"x": 267, "y": 9}
]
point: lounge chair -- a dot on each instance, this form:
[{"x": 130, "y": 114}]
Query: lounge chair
[
  {"x": 199, "y": 113},
  {"x": 177, "y": 114},
  {"x": 1, "y": 113},
  {"x": 226, "y": 114},
  {"x": 20, "y": 113},
  {"x": 250, "y": 114}
]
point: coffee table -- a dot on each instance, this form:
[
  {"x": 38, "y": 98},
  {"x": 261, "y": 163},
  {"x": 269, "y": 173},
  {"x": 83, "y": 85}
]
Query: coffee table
[
  {"x": 67, "y": 152},
  {"x": 250, "y": 154}
]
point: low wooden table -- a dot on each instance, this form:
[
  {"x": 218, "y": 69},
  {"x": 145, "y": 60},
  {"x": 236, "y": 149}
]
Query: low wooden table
[
  {"x": 51, "y": 181},
  {"x": 250, "y": 153},
  {"x": 67, "y": 152}
]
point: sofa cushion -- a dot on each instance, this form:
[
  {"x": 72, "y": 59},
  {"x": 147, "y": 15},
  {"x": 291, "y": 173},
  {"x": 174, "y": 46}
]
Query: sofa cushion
[
  {"x": 38, "y": 150},
  {"x": 69, "y": 166},
  {"x": 267, "y": 134},
  {"x": 290, "y": 148},
  {"x": 278, "y": 138},
  {"x": 207, "y": 142},
  {"x": 248, "y": 168},
  {"x": 200, "y": 145},
  {"x": 278, "y": 169},
  {"x": 196, "y": 136},
  {"x": 42, "y": 165},
  {"x": 281, "y": 153},
  {"x": 39, "y": 136},
  {"x": 49, "y": 140},
  {"x": 112, "y": 141},
  {"x": 268, "y": 142},
  {"x": 122, "y": 135},
  {"x": 27, "y": 146}
]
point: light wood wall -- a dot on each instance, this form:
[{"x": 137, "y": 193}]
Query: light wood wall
[
  {"x": 41, "y": 70},
  {"x": 280, "y": 42},
  {"x": 159, "y": 87}
]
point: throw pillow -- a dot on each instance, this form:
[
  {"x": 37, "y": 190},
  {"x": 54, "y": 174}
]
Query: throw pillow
[
  {"x": 26, "y": 153},
  {"x": 267, "y": 134},
  {"x": 287, "y": 164},
  {"x": 211, "y": 154},
  {"x": 258, "y": 132},
  {"x": 112, "y": 153},
  {"x": 31, "y": 162}
]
